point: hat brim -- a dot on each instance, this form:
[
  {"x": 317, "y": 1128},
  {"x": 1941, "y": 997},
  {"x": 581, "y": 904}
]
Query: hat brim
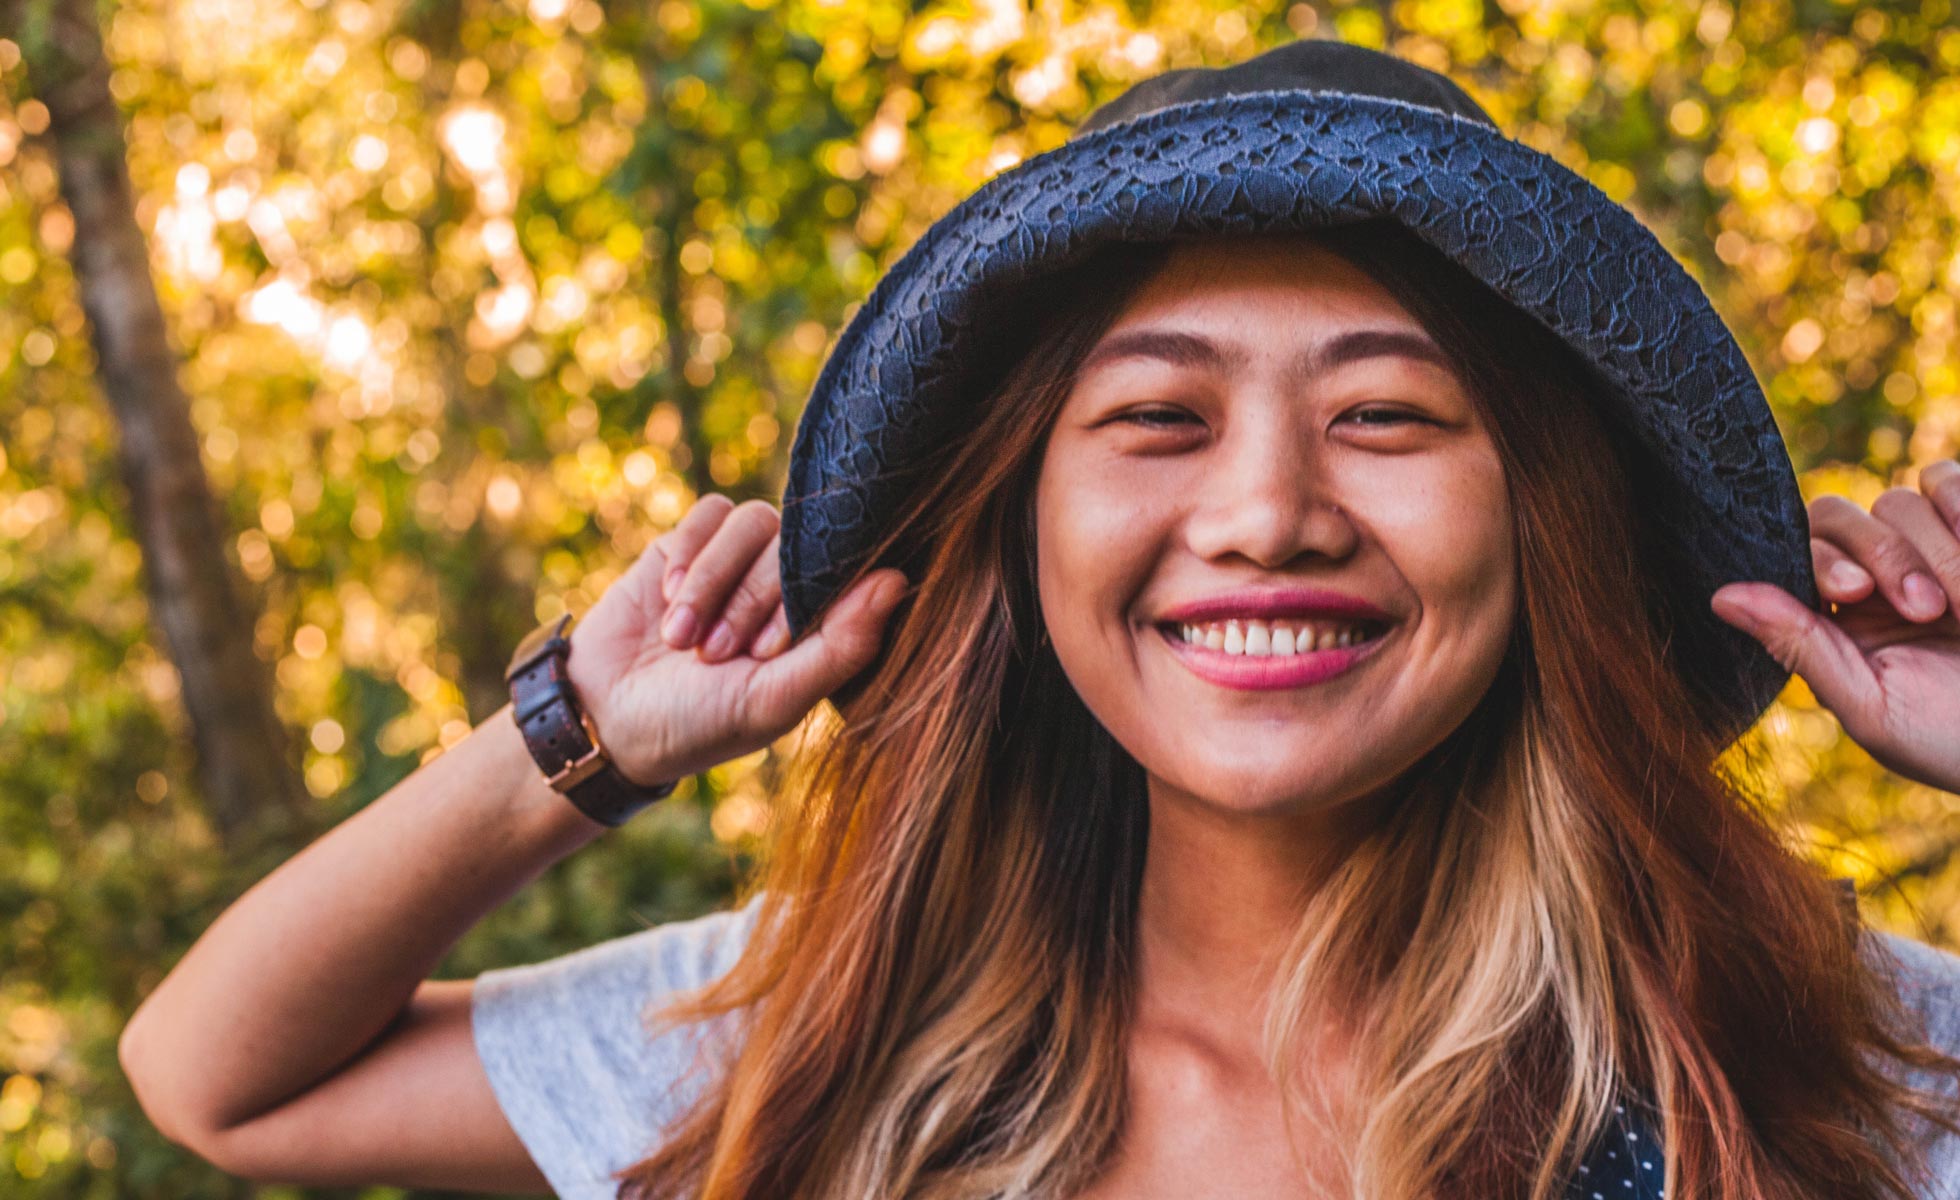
[{"x": 1534, "y": 231}]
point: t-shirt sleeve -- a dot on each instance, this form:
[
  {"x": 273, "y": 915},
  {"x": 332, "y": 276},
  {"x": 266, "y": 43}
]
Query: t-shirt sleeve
[
  {"x": 1928, "y": 980},
  {"x": 569, "y": 1056}
]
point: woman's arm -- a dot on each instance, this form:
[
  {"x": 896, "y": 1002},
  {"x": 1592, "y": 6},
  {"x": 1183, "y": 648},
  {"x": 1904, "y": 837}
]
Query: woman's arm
[
  {"x": 297, "y": 1041},
  {"x": 327, "y": 956}
]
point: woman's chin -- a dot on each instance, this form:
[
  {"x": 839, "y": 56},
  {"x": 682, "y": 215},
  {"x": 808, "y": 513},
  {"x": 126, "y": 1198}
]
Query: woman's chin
[{"x": 1282, "y": 790}]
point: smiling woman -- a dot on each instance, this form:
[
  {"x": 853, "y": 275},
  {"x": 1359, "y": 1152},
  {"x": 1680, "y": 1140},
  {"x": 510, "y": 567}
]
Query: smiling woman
[
  {"x": 1197, "y": 917},
  {"x": 1294, "y": 766}
]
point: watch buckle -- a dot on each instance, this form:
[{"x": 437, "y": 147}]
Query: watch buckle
[{"x": 586, "y": 765}]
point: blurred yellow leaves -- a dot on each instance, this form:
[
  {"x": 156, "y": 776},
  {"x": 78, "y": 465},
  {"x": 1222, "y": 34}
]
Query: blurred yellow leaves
[{"x": 474, "y": 300}]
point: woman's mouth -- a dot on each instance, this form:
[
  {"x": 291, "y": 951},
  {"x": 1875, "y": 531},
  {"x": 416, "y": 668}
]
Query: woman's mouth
[{"x": 1258, "y": 655}]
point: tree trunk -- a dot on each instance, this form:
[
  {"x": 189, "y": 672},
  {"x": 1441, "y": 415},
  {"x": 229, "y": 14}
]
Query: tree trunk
[
  {"x": 195, "y": 598},
  {"x": 672, "y": 287}
]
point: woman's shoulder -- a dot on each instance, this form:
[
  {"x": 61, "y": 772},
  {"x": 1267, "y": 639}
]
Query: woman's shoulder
[
  {"x": 582, "y": 1078},
  {"x": 1927, "y": 979}
]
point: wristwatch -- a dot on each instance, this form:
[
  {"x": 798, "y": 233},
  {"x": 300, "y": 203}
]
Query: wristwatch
[{"x": 560, "y": 735}]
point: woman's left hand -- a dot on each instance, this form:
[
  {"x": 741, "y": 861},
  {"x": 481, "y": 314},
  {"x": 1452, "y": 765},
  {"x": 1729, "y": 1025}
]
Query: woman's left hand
[{"x": 1887, "y": 661}]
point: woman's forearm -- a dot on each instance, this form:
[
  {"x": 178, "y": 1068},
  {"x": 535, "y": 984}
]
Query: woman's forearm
[
  {"x": 317, "y": 958},
  {"x": 298, "y": 981}
]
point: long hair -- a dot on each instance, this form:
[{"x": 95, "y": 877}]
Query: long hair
[{"x": 1571, "y": 904}]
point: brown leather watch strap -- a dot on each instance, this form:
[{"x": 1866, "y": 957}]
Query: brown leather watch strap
[{"x": 559, "y": 734}]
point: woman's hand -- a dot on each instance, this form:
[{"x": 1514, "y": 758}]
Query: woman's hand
[
  {"x": 1887, "y": 662},
  {"x": 685, "y": 662}
]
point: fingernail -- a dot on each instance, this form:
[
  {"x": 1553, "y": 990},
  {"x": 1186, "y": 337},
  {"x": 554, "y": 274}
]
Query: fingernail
[
  {"x": 720, "y": 640},
  {"x": 672, "y": 583},
  {"x": 1923, "y": 595},
  {"x": 679, "y": 625},
  {"x": 1849, "y": 575},
  {"x": 773, "y": 639}
]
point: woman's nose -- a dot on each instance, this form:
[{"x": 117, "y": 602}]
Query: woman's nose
[{"x": 1268, "y": 500}]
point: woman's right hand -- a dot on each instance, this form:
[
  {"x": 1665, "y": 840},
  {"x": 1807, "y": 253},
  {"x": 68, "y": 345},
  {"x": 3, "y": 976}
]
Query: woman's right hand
[{"x": 684, "y": 662}]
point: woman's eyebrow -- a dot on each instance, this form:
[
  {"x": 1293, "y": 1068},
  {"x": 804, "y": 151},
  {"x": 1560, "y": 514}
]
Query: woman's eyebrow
[{"x": 1192, "y": 350}]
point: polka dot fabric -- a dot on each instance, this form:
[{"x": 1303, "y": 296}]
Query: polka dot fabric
[{"x": 1626, "y": 1163}]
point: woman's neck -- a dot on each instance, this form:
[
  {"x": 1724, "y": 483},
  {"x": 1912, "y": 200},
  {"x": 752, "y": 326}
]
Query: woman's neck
[{"x": 1223, "y": 897}]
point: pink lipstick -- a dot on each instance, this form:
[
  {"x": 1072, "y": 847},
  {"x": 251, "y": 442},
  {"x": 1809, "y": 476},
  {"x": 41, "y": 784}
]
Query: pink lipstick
[{"x": 1253, "y": 672}]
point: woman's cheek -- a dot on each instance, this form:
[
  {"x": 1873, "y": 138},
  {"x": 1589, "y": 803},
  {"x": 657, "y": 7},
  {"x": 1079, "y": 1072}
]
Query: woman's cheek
[
  {"x": 1486, "y": 522},
  {"x": 1467, "y": 553},
  {"x": 1088, "y": 539},
  {"x": 1445, "y": 525}
]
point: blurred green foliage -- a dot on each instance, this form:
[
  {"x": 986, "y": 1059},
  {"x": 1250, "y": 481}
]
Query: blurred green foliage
[{"x": 473, "y": 297}]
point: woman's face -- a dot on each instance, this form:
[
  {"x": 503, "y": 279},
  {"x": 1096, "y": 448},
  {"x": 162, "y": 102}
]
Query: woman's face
[{"x": 1262, "y": 437}]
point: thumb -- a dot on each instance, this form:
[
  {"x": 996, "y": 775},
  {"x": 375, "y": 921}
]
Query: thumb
[
  {"x": 846, "y": 640},
  {"x": 1803, "y": 641}
]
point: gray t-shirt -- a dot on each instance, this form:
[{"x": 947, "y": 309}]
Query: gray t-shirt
[
  {"x": 565, "y": 1045},
  {"x": 588, "y": 1091}
]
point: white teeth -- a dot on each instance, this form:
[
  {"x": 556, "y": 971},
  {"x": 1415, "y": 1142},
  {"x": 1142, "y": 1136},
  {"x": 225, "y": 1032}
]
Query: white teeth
[{"x": 1264, "y": 639}]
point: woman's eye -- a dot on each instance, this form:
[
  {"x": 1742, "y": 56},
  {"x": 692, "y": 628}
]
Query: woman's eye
[
  {"x": 1387, "y": 416},
  {"x": 1155, "y": 418},
  {"x": 1166, "y": 418}
]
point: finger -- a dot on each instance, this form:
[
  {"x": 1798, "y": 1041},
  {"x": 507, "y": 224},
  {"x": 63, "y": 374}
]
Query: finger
[
  {"x": 1881, "y": 548},
  {"x": 1838, "y": 578},
  {"x": 1806, "y": 643},
  {"x": 750, "y": 604},
  {"x": 715, "y": 571},
  {"x": 843, "y": 644},
  {"x": 774, "y": 636},
  {"x": 1914, "y": 516},
  {"x": 679, "y": 545},
  {"x": 1940, "y": 481}
]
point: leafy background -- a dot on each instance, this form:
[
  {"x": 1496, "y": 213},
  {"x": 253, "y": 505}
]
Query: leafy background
[{"x": 472, "y": 298}]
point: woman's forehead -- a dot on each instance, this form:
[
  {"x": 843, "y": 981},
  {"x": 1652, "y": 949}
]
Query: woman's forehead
[
  {"x": 1299, "y": 266},
  {"x": 1235, "y": 304}
]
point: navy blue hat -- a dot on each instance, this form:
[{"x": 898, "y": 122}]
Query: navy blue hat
[{"x": 1310, "y": 135}]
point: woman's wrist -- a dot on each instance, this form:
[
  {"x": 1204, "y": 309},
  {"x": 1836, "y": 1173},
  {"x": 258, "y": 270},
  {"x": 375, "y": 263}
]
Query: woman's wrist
[
  {"x": 533, "y": 808},
  {"x": 555, "y": 713},
  {"x": 591, "y": 678}
]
